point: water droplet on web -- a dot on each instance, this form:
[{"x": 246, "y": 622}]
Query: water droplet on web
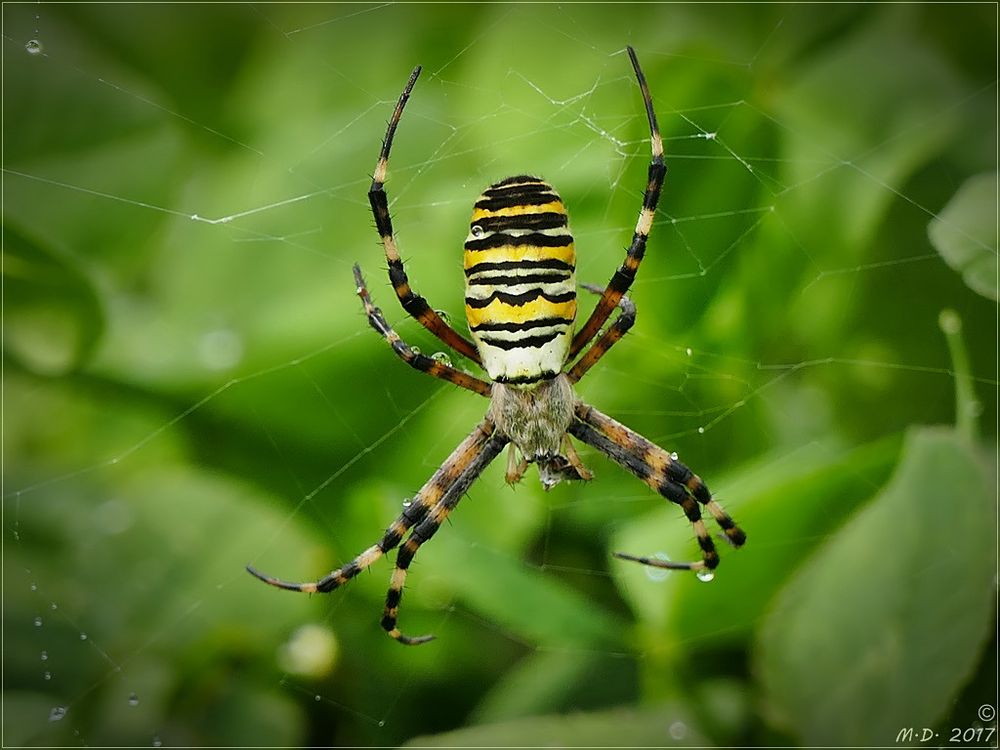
[
  {"x": 673, "y": 456},
  {"x": 705, "y": 575},
  {"x": 47, "y": 675},
  {"x": 57, "y": 713},
  {"x": 657, "y": 574},
  {"x": 477, "y": 231},
  {"x": 678, "y": 730},
  {"x": 157, "y": 742},
  {"x": 83, "y": 636},
  {"x": 34, "y": 47},
  {"x": 45, "y": 656},
  {"x": 38, "y": 622},
  {"x": 220, "y": 349},
  {"x": 133, "y": 699},
  {"x": 441, "y": 357}
]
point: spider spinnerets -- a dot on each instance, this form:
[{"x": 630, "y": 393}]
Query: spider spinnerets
[{"x": 520, "y": 303}]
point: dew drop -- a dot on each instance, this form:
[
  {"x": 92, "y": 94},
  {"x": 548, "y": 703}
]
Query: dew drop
[
  {"x": 701, "y": 430},
  {"x": 45, "y": 656},
  {"x": 441, "y": 357},
  {"x": 34, "y": 587},
  {"x": 477, "y": 231},
  {"x": 133, "y": 699},
  {"x": 407, "y": 503},
  {"x": 38, "y": 622},
  {"x": 57, "y": 713},
  {"x": 317, "y": 698},
  {"x": 83, "y": 636},
  {"x": 47, "y": 675},
  {"x": 415, "y": 349},
  {"x": 705, "y": 575},
  {"x": 443, "y": 314},
  {"x": 157, "y": 742},
  {"x": 678, "y": 730},
  {"x": 657, "y": 574},
  {"x": 689, "y": 352},
  {"x": 673, "y": 456},
  {"x": 53, "y": 606},
  {"x": 34, "y": 47},
  {"x": 381, "y": 722}
]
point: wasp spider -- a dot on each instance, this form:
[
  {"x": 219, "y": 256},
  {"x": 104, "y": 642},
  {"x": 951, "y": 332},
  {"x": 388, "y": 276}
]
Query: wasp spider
[{"x": 520, "y": 302}]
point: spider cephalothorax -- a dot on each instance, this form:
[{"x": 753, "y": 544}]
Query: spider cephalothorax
[{"x": 520, "y": 302}]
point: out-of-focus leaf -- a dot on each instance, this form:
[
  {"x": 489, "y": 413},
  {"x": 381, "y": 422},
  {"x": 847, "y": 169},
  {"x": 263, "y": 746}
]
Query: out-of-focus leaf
[
  {"x": 52, "y": 317},
  {"x": 661, "y": 726},
  {"x": 886, "y": 623},
  {"x": 787, "y": 505},
  {"x": 529, "y": 602},
  {"x": 543, "y": 682},
  {"x": 965, "y": 233}
]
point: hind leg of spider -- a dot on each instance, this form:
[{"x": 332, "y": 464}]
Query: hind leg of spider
[
  {"x": 490, "y": 448},
  {"x": 464, "y": 456},
  {"x": 418, "y": 361},
  {"x": 412, "y": 302},
  {"x": 668, "y": 476}
]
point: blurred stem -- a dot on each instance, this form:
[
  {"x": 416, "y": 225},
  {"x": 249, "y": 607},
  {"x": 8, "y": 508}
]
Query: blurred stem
[{"x": 967, "y": 406}]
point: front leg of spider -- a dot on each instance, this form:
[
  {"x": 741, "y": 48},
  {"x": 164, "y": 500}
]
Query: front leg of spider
[{"x": 520, "y": 304}]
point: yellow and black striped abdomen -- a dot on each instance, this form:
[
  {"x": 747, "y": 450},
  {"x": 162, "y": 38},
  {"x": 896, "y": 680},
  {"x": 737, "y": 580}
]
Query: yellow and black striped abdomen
[{"x": 520, "y": 280}]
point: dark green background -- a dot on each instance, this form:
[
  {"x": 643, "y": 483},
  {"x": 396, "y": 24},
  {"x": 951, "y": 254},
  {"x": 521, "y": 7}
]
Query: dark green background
[{"x": 185, "y": 395}]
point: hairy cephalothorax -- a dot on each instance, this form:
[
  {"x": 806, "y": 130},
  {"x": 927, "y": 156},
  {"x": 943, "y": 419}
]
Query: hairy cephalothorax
[
  {"x": 535, "y": 419},
  {"x": 520, "y": 304}
]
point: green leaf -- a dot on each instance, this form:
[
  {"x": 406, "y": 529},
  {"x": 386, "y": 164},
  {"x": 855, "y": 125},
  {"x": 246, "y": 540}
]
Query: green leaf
[
  {"x": 661, "y": 726},
  {"x": 52, "y": 316},
  {"x": 886, "y": 623},
  {"x": 785, "y": 503},
  {"x": 524, "y": 600},
  {"x": 965, "y": 233}
]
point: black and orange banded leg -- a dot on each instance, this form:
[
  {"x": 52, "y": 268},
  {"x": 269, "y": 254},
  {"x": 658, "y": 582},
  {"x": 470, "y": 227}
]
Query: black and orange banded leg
[
  {"x": 625, "y": 275},
  {"x": 452, "y": 470},
  {"x": 412, "y": 302},
  {"x": 625, "y": 320},
  {"x": 665, "y": 474},
  {"x": 418, "y": 361},
  {"x": 489, "y": 448}
]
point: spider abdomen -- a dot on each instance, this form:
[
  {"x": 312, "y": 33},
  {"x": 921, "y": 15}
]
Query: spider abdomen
[{"x": 520, "y": 280}]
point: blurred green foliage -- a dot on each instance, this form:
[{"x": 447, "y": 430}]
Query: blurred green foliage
[{"x": 189, "y": 383}]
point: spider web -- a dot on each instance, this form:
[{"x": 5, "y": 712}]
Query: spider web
[{"x": 223, "y": 401}]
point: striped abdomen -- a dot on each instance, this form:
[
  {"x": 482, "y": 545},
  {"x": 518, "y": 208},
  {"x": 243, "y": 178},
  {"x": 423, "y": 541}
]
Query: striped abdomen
[{"x": 520, "y": 281}]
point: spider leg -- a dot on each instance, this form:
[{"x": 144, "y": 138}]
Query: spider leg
[
  {"x": 466, "y": 454},
  {"x": 449, "y": 489},
  {"x": 625, "y": 320},
  {"x": 625, "y": 275},
  {"x": 413, "y": 303},
  {"x": 405, "y": 352},
  {"x": 668, "y": 476}
]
